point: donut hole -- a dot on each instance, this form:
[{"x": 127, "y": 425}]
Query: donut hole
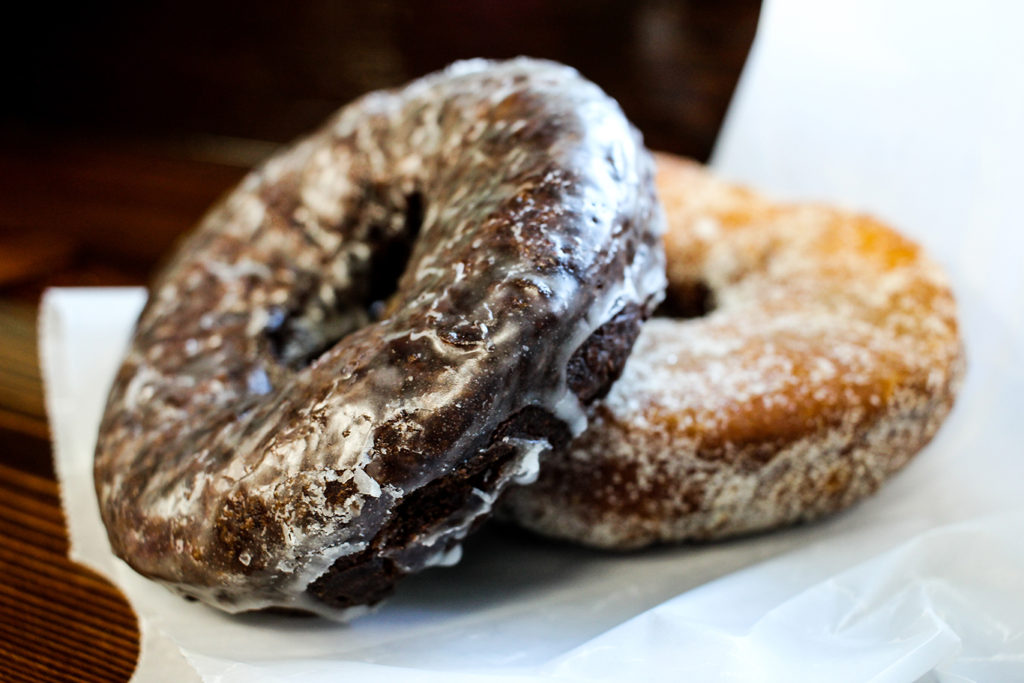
[
  {"x": 299, "y": 335},
  {"x": 389, "y": 261},
  {"x": 687, "y": 300}
]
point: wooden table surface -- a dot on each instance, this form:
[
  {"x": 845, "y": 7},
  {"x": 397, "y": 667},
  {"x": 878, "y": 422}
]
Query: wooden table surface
[
  {"x": 59, "y": 620},
  {"x": 91, "y": 195}
]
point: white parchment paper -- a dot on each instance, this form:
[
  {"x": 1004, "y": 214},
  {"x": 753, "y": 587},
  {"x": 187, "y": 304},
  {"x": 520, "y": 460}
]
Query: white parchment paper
[{"x": 910, "y": 110}]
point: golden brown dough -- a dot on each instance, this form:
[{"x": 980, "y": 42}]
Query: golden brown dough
[{"x": 829, "y": 357}]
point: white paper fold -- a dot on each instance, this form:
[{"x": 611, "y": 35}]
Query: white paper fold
[{"x": 908, "y": 110}]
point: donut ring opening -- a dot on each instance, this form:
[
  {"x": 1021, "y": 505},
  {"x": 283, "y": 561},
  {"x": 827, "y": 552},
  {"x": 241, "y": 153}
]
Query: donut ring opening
[
  {"x": 686, "y": 300},
  {"x": 295, "y": 346}
]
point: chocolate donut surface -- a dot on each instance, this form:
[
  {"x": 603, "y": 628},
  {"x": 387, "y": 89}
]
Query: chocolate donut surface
[
  {"x": 293, "y": 429},
  {"x": 807, "y": 353}
]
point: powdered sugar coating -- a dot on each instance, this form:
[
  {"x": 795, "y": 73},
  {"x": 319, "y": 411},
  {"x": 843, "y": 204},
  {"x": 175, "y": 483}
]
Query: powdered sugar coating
[
  {"x": 830, "y": 358},
  {"x": 249, "y": 458}
]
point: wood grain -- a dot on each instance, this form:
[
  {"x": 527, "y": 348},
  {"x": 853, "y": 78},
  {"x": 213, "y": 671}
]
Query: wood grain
[
  {"x": 21, "y": 401},
  {"x": 58, "y": 620}
]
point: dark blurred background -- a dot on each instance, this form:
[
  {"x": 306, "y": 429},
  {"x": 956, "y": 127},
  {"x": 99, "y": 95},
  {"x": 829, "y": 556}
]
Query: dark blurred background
[{"x": 125, "y": 121}]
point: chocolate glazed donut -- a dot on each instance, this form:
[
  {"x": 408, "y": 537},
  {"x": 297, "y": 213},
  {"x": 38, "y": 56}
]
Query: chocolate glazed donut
[{"x": 293, "y": 429}]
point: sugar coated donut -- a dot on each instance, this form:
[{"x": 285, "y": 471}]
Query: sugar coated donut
[
  {"x": 380, "y": 328},
  {"x": 807, "y": 355}
]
